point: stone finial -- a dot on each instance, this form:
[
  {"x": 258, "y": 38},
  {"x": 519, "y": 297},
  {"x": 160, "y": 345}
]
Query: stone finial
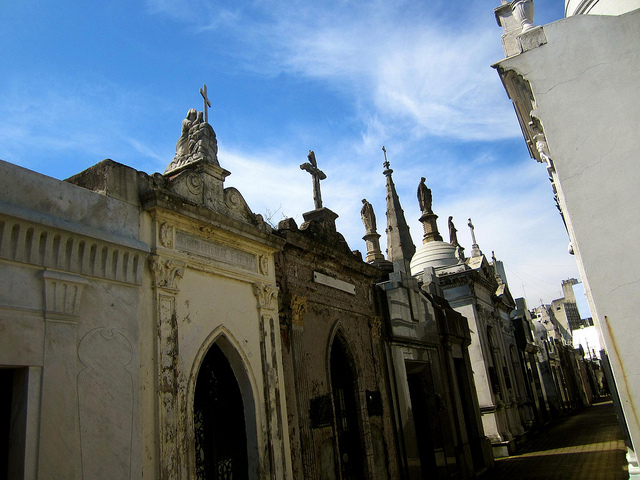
[
  {"x": 523, "y": 12},
  {"x": 312, "y": 167}
]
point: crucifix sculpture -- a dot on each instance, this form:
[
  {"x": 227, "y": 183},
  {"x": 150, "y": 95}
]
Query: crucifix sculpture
[
  {"x": 312, "y": 167},
  {"x": 207, "y": 103}
]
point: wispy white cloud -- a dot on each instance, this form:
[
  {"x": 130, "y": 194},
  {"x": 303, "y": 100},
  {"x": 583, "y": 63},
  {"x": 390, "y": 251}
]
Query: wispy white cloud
[{"x": 402, "y": 64}]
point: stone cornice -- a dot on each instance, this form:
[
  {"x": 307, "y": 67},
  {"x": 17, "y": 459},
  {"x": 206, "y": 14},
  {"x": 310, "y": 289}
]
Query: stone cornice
[
  {"x": 312, "y": 249},
  {"x": 38, "y": 242}
]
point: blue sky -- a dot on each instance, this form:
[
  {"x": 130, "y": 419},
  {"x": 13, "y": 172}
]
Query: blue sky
[{"x": 84, "y": 81}]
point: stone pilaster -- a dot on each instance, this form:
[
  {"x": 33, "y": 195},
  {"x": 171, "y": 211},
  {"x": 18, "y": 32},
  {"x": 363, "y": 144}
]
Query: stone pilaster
[
  {"x": 165, "y": 276},
  {"x": 58, "y": 455},
  {"x": 279, "y": 458}
]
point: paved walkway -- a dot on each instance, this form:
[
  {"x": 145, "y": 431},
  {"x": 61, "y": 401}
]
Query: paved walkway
[{"x": 584, "y": 446}]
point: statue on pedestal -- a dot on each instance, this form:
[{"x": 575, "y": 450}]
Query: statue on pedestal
[
  {"x": 368, "y": 216},
  {"x": 453, "y": 236},
  {"x": 424, "y": 197}
]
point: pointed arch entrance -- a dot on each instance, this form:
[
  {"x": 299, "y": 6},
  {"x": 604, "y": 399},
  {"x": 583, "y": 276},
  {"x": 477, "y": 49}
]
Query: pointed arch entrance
[
  {"x": 219, "y": 421},
  {"x": 345, "y": 404}
]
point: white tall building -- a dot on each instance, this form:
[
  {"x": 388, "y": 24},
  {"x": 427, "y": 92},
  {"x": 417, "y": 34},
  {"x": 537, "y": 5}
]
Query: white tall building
[{"x": 574, "y": 85}]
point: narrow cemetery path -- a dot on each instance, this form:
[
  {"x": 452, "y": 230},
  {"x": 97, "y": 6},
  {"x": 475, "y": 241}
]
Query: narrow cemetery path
[{"x": 587, "y": 445}]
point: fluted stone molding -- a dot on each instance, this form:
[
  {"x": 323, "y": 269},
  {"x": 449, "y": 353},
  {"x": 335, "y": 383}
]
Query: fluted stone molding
[{"x": 271, "y": 356}]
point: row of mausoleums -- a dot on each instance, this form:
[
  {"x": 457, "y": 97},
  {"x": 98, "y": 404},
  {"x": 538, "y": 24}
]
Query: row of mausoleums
[{"x": 154, "y": 326}]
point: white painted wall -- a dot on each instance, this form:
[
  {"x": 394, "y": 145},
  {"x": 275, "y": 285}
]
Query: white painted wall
[
  {"x": 599, "y": 7},
  {"x": 585, "y": 84}
]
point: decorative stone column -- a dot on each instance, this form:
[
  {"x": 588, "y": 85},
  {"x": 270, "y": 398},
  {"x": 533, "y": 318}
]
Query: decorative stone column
[
  {"x": 58, "y": 455},
  {"x": 165, "y": 276},
  {"x": 279, "y": 458}
]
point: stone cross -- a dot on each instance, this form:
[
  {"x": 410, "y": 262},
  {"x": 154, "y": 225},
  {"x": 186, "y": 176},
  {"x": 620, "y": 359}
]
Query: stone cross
[
  {"x": 207, "y": 103},
  {"x": 386, "y": 163},
  {"x": 312, "y": 167},
  {"x": 473, "y": 235}
]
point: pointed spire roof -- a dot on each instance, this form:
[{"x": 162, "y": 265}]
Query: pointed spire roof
[{"x": 400, "y": 247}]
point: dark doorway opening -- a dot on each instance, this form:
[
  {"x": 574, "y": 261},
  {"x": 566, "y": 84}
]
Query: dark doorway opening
[
  {"x": 219, "y": 422},
  {"x": 469, "y": 413},
  {"x": 6, "y": 401},
  {"x": 344, "y": 398},
  {"x": 422, "y": 405}
]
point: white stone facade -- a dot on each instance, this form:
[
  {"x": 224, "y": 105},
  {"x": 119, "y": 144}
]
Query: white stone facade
[
  {"x": 110, "y": 301},
  {"x": 576, "y": 95}
]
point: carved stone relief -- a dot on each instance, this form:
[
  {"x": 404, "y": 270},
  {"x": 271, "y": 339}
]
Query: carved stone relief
[
  {"x": 298, "y": 309},
  {"x": 166, "y": 235},
  {"x": 266, "y": 295},
  {"x": 166, "y": 272},
  {"x": 264, "y": 265}
]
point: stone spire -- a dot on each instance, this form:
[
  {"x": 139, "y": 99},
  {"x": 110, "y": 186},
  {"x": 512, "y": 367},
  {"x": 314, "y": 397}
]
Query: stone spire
[{"x": 400, "y": 247}]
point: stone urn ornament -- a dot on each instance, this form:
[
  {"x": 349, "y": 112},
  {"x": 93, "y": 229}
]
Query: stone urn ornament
[{"x": 523, "y": 13}]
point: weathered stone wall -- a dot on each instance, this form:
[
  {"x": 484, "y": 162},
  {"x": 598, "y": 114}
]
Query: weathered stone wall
[
  {"x": 326, "y": 296},
  {"x": 72, "y": 265}
]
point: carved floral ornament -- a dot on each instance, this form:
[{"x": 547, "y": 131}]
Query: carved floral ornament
[
  {"x": 298, "y": 308},
  {"x": 264, "y": 265},
  {"x": 266, "y": 295},
  {"x": 165, "y": 235},
  {"x": 166, "y": 272}
]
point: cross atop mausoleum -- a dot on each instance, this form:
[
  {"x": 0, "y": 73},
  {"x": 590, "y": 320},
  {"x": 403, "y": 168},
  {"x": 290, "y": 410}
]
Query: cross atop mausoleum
[
  {"x": 475, "y": 249},
  {"x": 386, "y": 163},
  {"x": 473, "y": 234},
  {"x": 207, "y": 103},
  {"x": 312, "y": 167}
]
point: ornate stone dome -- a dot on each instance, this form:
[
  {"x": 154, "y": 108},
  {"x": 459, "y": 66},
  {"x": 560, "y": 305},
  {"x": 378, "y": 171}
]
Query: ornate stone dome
[{"x": 433, "y": 254}]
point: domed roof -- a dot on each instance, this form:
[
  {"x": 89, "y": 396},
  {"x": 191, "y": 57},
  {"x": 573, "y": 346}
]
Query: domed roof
[{"x": 433, "y": 254}]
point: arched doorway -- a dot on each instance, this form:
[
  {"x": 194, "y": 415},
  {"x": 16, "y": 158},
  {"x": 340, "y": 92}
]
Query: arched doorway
[
  {"x": 219, "y": 421},
  {"x": 345, "y": 407}
]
